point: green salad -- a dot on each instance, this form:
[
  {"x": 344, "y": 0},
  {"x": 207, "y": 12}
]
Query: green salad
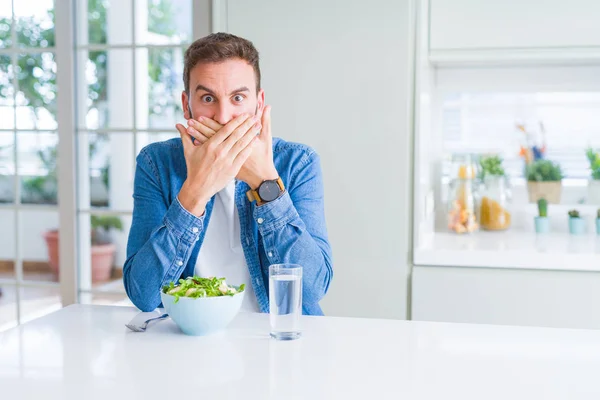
[{"x": 196, "y": 286}]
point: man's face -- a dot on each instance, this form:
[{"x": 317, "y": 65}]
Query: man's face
[{"x": 222, "y": 91}]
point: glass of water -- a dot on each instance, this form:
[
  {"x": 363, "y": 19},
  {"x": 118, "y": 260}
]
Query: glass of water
[{"x": 285, "y": 300}]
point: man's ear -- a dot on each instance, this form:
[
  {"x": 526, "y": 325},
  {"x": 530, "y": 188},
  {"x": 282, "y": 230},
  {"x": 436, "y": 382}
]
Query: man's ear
[
  {"x": 260, "y": 102},
  {"x": 185, "y": 105}
]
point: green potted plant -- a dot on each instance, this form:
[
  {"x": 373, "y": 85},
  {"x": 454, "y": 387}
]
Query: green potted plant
[
  {"x": 544, "y": 179},
  {"x": 542, "y": 222},
  {"x": 598, "y": 222},
  {"x": 103, "y": 250},
  {"x": 42, "y": 189},
  {"x": 576, "y": 223},
  {"x": 594, "y": 182}
]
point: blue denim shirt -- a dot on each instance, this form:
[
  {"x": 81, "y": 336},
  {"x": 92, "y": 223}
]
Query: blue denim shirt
[{"x": 165, "y": 238}]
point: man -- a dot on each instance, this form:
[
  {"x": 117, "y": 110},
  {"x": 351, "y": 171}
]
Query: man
[{"x": 226, "y": 199}]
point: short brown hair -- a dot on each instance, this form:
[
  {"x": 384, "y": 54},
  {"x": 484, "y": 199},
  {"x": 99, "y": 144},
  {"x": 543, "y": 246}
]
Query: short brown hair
[{"x": 219, "y": 47}]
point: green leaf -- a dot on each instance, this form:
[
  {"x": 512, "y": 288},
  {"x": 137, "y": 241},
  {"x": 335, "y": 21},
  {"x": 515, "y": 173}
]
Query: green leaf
[
  {"x": 544, "y": 171},
  {"x": 205, "y": 287},
  {"x": 491, "y": 166},
  {"x": 594, "y": 160}
]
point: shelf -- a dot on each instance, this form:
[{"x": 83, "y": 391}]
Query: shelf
[
  {"x": 511, "y": 57},
  {"x": 510, "y": 249}
]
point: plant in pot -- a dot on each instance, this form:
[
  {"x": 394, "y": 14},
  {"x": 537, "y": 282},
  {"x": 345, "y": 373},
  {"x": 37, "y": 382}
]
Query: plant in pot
[
  {"x": 103, "y": 250},
  {"x": 544, "y": 180},
  {"x": 594, "y": 182},
  {"x": 542, "y": 222},
  {"x": 494, "y": 212},
  {"x": 576, "y": 223},
  {"x": 42, "y": 189}
]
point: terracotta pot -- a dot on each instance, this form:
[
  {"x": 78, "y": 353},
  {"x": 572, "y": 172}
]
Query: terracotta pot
[
  {"x": 102, "y": 257},
  {"x": 550, "y": 191},
  {"x": 52, "y": 244}
]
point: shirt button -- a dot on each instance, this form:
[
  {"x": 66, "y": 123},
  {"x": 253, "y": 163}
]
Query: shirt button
[
  {"x": 195, "y": 230},
  {"x": 180, "y": 263},
  {"x": 270, "y": 254},
  {"x": 260, "y": 220}
]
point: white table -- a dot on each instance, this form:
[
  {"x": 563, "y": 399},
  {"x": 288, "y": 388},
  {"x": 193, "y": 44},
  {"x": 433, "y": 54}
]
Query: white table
[{"x": 85, "y": 352}]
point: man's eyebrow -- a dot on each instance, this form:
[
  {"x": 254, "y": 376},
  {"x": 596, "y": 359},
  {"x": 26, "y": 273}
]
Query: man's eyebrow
[
  {"x": 238, "y": 90},
  {"x": 201, "y": 87},
  {"x": 241, "y": 89}
]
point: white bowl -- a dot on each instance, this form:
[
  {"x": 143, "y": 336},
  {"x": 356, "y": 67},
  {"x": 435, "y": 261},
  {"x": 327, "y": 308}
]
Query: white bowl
[{"x": 202, "y": 315}]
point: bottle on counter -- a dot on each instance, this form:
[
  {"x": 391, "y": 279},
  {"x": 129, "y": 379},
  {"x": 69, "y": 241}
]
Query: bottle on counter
[
  {"x": 463, "y": 196},
  {"x": 494, "y": 214}
]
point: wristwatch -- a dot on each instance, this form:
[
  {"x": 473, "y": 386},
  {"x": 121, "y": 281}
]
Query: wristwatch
[{"x": 267, "y": 191}]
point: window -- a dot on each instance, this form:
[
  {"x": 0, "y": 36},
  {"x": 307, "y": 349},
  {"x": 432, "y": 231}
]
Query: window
[
  {"x": 130, "y": 62},
  {"x": 567, "y": 122}
]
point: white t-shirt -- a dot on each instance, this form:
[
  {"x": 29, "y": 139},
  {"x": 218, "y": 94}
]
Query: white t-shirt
[{"x": 221, "y": 254}]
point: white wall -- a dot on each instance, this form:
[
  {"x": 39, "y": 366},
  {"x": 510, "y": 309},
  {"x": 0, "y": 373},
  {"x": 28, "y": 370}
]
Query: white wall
[{"x": 338, "y": 76}]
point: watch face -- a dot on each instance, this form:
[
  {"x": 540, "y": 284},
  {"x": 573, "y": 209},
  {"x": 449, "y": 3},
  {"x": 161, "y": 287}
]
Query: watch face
[{"x": 268, "y": 191}]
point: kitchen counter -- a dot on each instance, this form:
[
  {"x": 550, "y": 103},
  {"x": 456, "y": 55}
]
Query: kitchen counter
[{"x": 510, "y": 249}]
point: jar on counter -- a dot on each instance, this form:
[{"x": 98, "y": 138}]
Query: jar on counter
[
  {"x": 495, "y": 213},
  {"x": 463, "y": 196}
]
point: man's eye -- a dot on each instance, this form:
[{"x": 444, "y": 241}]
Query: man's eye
[
  {"x": 238, "y": 98},
  {"x": 207, "y": 98}
]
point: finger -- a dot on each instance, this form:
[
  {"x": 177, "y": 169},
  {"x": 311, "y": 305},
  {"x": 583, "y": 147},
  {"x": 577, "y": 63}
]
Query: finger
[
  {"x": 229, "y": 128},
  {"x": 260, "y": 113},
  {"x": 245, "y": 140},
  {"x": 200, "y": 138},
  {"x": 243, "y": 155},
  {"x": 211, "y": 123},
  {"x": 186, "y": 139},
  {"x": 266, "y": 123},
  {"x": 251, "y": 124},
  {"x": 202, "y": 128}
]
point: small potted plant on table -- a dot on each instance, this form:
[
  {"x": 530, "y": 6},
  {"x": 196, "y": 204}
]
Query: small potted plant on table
[
  {"x": 576, "y": 223},
  {"x": 542, "y": 222}
]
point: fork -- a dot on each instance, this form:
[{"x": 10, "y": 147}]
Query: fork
[{"x": 142, "y": 327}]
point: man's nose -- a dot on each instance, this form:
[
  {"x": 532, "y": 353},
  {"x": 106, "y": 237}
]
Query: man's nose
[{"x": 224, "y": 114}]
